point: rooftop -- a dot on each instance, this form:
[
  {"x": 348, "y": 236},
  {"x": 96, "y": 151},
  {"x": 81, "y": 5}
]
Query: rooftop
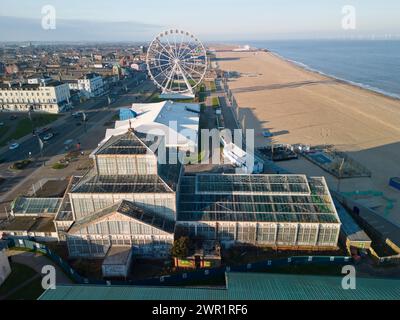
[
  {"x": 122, "y": 184},
  {"x": 51, "y": 188},
  {"x": 125, "y": 144},
  {"x": 177, "y": 122},
  {"x": 241, "y": 286},
  {"x": 90, "y": 75},
  {"x": 28, "y": 86},
  {"x": 117, "y": 255},
  {"x": 255, "y": 198},
  {"x": 349, "y": 226},
  {"x": 28, "y": 224},
  {"x": 23, "y": 205},
  {"x": 252, "y": 184},
  {"x": 128, "y": 209}
]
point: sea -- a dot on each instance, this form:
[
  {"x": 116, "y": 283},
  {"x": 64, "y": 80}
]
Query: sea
[{"x": 371, "y": 64}]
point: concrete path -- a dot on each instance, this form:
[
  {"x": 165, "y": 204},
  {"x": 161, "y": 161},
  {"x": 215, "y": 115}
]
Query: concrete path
[
  {"x": 21, "y": 285},
  {"x": 37, "y": 262}
]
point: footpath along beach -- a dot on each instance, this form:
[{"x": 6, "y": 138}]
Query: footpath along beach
[{"x": 301, "y": 106}]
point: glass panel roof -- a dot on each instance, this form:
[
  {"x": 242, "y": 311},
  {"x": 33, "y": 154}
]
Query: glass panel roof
[
  {"x": 313, "y": 207},
  {"x": 251, "y": 184}
]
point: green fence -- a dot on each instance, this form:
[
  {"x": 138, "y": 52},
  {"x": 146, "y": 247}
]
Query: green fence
[{"x": 176, "y": 279}]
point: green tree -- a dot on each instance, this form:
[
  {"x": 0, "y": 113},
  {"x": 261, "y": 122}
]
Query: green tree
[{"x": 180, "y": 249}]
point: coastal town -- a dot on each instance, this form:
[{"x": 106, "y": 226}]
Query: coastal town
[
  {"x": 255, "y": 157},
  {"x": 89, "y": 178}
]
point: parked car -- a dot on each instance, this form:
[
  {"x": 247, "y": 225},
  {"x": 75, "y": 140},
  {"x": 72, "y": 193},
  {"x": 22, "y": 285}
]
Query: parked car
[
  {"x": 68, "y": 144},
  {"x": 13, "y": 146},
  {"x": 43, "y": 130},
  {"x": 48, "y": 136},
  {"x": 13, "y": 117}
]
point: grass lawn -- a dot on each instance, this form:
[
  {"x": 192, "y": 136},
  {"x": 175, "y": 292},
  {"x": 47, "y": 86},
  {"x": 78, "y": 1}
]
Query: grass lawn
[
  {"x": 59, "y": 166},
  {"x": 24, "y": 127},
  {"x": 20, "y": 165},
  {"x": 4, "y": 130},
  {"x": 19, "y": 274},
  {"x": 155, "y": 98}
]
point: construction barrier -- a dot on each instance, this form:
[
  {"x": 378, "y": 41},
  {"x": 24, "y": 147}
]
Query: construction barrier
[{"x": 176, "y": 279}]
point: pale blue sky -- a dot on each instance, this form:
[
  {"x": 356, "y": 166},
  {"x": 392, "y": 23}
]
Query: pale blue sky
[{"x": 209, "y": 19}]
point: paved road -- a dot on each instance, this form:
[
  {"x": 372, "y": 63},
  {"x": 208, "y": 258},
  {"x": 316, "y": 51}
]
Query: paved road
[
  {"x": 227, "y": 110},
  {"x": 67, "y": 128},
  {"x": 97, "y": 111}
]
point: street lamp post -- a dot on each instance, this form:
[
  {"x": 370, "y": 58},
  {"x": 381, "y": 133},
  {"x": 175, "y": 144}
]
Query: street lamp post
[
  {"x": 84, "y": 121},
  {"x": 340, "y": 173},
  {"x": 30, "y": 118}
]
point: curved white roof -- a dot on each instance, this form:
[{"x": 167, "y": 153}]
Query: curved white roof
[{"x": 177, "y": 122}]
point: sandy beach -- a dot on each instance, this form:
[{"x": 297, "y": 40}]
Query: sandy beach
[{"x": 301, "y": 106}]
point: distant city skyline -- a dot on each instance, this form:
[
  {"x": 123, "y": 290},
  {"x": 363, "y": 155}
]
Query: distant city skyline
[{"x": 222, "y": 20}]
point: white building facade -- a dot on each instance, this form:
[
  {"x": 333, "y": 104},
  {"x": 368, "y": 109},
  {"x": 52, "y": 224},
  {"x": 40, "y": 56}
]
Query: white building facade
[
  {"x": 91, "y": 85},
  {"x": 51, "y": 97}
]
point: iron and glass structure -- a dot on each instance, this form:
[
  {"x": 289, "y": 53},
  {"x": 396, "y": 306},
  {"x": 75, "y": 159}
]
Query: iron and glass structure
[{"x": 275, "y": 210}]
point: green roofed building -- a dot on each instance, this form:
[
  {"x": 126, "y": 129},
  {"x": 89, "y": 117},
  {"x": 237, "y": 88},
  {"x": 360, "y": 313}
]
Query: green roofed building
[{"x": 241, "y": 286}]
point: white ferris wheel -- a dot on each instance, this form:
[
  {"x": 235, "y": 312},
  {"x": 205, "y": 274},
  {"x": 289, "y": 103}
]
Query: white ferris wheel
[{"x": 177, "y": 63}]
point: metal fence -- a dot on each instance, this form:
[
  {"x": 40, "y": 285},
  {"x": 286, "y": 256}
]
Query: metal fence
[{"x": 176, "y": 279}]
